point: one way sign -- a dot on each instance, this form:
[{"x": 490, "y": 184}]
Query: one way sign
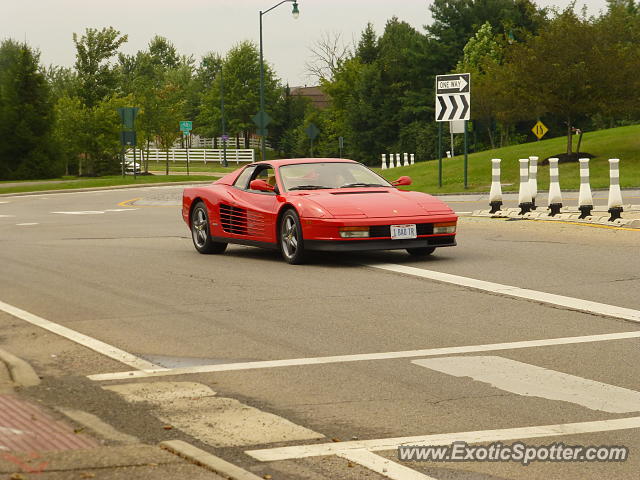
[{"x": 453, "y": 97}]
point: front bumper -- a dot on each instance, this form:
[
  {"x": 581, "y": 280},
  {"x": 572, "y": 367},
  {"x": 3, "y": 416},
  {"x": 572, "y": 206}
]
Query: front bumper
[{"x": 367, "y": 245}]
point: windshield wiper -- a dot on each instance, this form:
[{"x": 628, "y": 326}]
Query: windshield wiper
[
  {"x": 308, "y": 187},
  {"x": 350, "y": 185}
]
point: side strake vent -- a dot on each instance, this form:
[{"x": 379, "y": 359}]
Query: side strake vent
[
  {"x": 239, "y": 221},
  {"x": 233, "y": 219}
]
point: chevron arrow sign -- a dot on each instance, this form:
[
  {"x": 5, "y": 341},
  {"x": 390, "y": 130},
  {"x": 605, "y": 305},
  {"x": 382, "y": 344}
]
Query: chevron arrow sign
[{"x": 453, "y": 97}]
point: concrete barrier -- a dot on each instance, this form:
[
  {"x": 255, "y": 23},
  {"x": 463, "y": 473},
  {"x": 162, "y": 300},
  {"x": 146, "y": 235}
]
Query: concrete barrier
[
  {"x": 495, "y": 194},
  {"x": 555, "y": 194},
  {"x": 524, "y": 195},
  {"x": 614, "y": 203},
  {"x": 533, "y": 180},
  {"x": 585, "y": 199}
]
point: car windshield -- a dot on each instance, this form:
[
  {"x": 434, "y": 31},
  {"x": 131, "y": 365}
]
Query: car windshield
[{"x": 314, "y": 176}]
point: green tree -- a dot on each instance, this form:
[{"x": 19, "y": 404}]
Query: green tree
[
  {"x": 554, "y": 71},
  {"x": 241, "y": 71},
  {"x": 97, "y": 77},
  {"x": 27, "y": 149}
]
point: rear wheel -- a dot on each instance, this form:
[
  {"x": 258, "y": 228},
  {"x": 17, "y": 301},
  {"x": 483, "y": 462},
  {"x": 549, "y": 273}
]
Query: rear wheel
[
  {"x": 200, "y": 232},
  {"x": 421, "y": 251},
  {"x": 290, "y": 238}
]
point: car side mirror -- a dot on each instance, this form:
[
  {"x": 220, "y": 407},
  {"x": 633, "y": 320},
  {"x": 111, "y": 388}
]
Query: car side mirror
[
  {"x": 261, "y": 186},
  {"x": 404, "y": 180}
]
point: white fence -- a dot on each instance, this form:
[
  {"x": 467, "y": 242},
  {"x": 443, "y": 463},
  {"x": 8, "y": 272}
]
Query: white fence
[
  {"x": 196, "y": 155},
  {"x": 232, "y": 142}
]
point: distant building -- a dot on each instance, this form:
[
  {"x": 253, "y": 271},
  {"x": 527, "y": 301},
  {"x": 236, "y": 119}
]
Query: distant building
[{"x": 317, "y": 96}]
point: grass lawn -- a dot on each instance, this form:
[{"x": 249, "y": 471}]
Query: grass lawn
[
  {"x": 622, "y": 143},
  {"x": 74, "y": 182},
  {"x": 194, "y": 167}
]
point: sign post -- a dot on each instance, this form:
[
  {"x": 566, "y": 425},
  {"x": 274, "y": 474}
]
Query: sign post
[
  {"x": 453, "y": 103},
  {"x": 340, "y": 145},
  {"x": 312, "y": 132},
  {"x": 262, "y": 119},
  {"x": 185, "y": 127},
  {"x": 128, "y": 134}
]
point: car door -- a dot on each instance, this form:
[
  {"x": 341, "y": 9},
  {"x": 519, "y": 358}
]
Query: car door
[{"x": 253, "y": 216}]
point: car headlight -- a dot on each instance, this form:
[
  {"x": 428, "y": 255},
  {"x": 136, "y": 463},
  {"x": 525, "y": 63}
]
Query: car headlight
[
  {"x": 444, "y": 227},
  {"x": 354, "y": 232}
]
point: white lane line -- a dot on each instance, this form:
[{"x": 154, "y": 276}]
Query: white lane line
[
  {"x": 533, "y": 381},
  {"x": 26, "y": 224},
  {"x": 382, "y": 465},
  {"x": 89, "y": 342},
  {"x": 480, "y": 436},
  {"x": 82, "y": 212},
  {"x": 508, "y": 290},
  {"x": 121, "y": 209},
  {"x": 7, "y": 216},
  {"x": 163, "y": 372}
]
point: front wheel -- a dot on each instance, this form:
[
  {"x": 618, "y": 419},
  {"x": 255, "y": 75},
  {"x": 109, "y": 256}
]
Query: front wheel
[
  {"x": 290, "y": 236},
  {"x": 200, "y": 232},
  {"x": 421, "y": 251}
]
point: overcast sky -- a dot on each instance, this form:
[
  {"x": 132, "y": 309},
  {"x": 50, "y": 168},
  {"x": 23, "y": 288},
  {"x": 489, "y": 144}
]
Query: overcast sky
[{"x": 199, "y": 26}]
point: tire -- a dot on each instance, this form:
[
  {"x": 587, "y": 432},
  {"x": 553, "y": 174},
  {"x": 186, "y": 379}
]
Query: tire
[
  {"x": 290, "y": 238},
  {"x": 421, "y": 251},
  {"x": 200, "y": 233}
]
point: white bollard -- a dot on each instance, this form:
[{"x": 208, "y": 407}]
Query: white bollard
[
  {"x": 398, "y": 162},
  {"x": 413, "y": 159},
  {"x": 391, "y": 164},
  {"x": 533, "y": 180},
  {"x": 384, "y": 161},
  {"x": 495, "y": 194},
  {"x": 524, "y": 196},
  {"x": 555, "y": 195},
  {"x": 405, "y": 160},
  {"x": 615, "y": 196},
  {"x": 585, "y": 200}
]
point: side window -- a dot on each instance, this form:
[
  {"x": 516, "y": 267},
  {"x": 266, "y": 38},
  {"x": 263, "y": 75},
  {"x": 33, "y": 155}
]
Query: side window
[
  {"x": 242, "y": 181},
  {"x": 267, "y": 174}
]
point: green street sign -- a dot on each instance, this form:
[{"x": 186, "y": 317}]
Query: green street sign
[
  {"x": 128, "y": 116},
  {"x": 263, "y": 132},
  {"x": 261, "y": 119},
  {"x": 128, "y": 139},
  {"x": 312, "y": 131},
  {"x": 186, "y": 126}
]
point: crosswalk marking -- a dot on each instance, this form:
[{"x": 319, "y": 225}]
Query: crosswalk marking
[{"x": 533, "y": 381}]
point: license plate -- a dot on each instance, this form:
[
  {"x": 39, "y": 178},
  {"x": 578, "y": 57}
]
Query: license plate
[{"x": 399, "y": 232}]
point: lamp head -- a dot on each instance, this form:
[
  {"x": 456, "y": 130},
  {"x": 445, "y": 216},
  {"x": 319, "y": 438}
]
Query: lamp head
[{"x": 295, "y": 12}]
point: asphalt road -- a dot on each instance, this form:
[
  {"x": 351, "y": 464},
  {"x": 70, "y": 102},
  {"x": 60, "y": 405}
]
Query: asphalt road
[{"x": 126, "y": 273}]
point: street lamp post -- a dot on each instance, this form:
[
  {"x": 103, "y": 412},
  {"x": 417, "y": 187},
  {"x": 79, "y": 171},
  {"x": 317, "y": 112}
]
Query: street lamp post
[
  {"x": 295, "y": 12},
  {"x": 224, "y": 130}
]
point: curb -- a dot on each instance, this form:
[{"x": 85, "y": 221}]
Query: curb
[
  {"x": 566, "y": 217},
  {"x": 20, "y": 371},
  {"x": 207, "y": 460},
  {"x": 113, "y": 187}
]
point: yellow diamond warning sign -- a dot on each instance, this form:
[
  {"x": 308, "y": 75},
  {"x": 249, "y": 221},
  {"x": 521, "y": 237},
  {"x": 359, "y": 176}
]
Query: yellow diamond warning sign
[{"x": 539, "y": 129}]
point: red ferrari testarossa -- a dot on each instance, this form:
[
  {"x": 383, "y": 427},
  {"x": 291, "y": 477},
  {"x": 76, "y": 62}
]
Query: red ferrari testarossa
[{"x": 302, "y": 204}]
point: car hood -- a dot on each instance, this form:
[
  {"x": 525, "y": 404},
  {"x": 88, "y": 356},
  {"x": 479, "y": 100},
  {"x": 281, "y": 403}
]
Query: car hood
[{"x": 376, "y": 203}]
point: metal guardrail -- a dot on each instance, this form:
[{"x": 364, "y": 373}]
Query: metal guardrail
[{"x": 195, "y": 155}]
